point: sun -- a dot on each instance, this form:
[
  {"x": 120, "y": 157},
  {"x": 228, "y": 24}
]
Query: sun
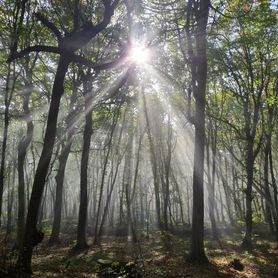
[{"x": 139, "y": 55}]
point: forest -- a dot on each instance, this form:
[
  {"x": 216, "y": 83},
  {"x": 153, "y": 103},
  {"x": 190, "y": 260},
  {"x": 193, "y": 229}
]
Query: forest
[{"x": 138, "y": 138}]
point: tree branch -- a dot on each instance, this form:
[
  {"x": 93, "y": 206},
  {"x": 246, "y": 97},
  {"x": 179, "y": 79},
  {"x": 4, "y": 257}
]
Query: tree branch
[
  {"x": 77, "y": 40},
  {"x": 108, "y": 13},
  {"x": 35, "y": 48},
  {"x": 228, "y": 16},
  {"x": 225, "y": 121},
  {"x": 49, "y": 25}
]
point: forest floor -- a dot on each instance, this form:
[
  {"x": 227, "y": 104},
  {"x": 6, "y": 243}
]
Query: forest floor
[{"x": 162, "y": 255}]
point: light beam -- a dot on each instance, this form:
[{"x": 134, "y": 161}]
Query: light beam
[{"x": 139, "y": 55}]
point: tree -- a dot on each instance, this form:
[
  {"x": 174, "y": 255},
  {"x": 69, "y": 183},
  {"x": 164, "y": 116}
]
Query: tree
[
  {"x": 249, "y": 65},
  {"x": 198, "y": 10},
  {"x": 63, "y": 158},
  {"x": 15, "y": 25},
  {"x": 68, "y": 45}
]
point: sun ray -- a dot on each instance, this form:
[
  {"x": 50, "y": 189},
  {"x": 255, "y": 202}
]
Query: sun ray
[{"x": 139, "y": 54}]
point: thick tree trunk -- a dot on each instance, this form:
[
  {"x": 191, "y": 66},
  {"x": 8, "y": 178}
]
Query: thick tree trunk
[
  {"x": 26, "y": 251},
  {"x": 197, "y": 252}
]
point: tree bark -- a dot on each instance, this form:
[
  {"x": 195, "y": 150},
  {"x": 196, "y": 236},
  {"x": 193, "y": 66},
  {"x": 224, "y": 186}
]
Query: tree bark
[
  {"x": 197, "y": 252},
  {"x": 63, "y": 158},
  {"x": 5, "y": 138},
  {"x": 55, "y": 233},
  {"x": 247, "y": 241},
  {"x": 81, "y": 243},
  {"x": 22, "y": 152},
  {"x": 211, "y": 189},
  {"x": 26, "y": 251},
  {"x": 268, "y": 201},
  {"x": 275, "y": 191}
]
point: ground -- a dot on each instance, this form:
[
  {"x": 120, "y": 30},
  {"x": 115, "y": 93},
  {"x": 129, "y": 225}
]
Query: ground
[{"x": 162, "y": 255}]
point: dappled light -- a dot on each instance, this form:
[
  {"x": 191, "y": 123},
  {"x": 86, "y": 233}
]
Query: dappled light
[{"x": 138, "y": 139}]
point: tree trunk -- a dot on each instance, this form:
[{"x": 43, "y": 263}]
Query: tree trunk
[
  {"x": 153, "y": 163},
  {"x": 54, "y": 238},
  {"x": 63, "y": 158},
  {"x": 211, "y": 191},
  {"x": 81, "y": 243},
  {"x": 197, "y": 252},
  {"x": 11, "y": 182},
  {"x": 167, "y": 166},
  {"x": 22, "y": 151},
  {"x": 247, "y": 241},
  {"x": 115, "y": 119},
  {"x": 268, "y": 201},
  {"x": 113, "y": 182},
  {"x": 5, "y": 137},
  {"x": 275, "y": 191},
  {"x": 26, "y": 251},
  {"x": 128, "y": 181}
]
